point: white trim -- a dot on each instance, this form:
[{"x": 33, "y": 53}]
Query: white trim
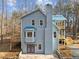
[{"x": 30, "y": 39}]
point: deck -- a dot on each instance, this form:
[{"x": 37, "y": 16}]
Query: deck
[
  {"x": 64, "y": 53},
  {"x": 68, "y": 52}
]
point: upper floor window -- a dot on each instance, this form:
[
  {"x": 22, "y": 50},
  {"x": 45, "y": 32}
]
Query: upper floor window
[
  {"x": 41, "y": 22},
  {"x": 54, "y": 34},
  {"x": 33, "y": 22}
]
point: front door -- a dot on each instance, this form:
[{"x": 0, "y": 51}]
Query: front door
[{"x": 30, "y": 48}]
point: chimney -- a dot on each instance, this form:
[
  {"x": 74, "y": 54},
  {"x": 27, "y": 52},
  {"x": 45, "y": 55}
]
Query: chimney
[
  {"x": 48, "y": 29},
  {"x": 48, "y": 7}
]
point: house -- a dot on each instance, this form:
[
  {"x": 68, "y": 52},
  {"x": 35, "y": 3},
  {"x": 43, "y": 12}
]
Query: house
[
  {"x": 37, "y": 34},
  {"x": 59, "y": 21}
]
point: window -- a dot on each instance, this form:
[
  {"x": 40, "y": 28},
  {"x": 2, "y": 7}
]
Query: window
[
  {"x": 34, "y": 34},
  {"x": 24, "y": 34},
  {"x": 62, "y": 32},
  {"x": 29, "y": 34},
  {"x": 39, "y": 46},
  {"x": 33, "y": 22},
  {"x": 41, "y": 22},
  {"x": 54, "y": 34}
]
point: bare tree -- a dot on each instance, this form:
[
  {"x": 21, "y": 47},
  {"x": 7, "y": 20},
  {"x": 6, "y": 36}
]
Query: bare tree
[{"x": 2, "y": 21}]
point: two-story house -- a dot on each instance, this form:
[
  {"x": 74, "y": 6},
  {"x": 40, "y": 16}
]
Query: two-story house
[{"x": 37, "y": 34}]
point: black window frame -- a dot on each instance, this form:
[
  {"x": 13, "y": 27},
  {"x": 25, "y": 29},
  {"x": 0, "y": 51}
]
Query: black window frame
[
  {"x": 33, "y": 22},
  {"x": 39, "y": 47},
  {"x": 41, "y": 22},
  {"x": 54, "y": 34}
]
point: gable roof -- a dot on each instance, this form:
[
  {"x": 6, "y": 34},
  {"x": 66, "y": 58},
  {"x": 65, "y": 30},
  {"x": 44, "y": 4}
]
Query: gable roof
[
  {"x": 32, "y": 13},
  {"x": 58, "y": 17}
]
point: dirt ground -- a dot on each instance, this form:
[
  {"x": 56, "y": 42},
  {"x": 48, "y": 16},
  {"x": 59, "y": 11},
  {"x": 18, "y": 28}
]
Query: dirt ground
[
  {"x": 17, "y": 55},
  {"x": 37, "y": 56},
  {"x": 9, "y": 55}
]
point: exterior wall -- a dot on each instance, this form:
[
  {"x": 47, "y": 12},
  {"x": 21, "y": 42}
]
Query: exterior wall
[
  {"x": 48, "y": 30},
  {"x": 55, "y": 40},
  {"x": 40, "y": 31},
  {"x": 40, "y": 40},
  {"x": 37, "y": 16},
  {"x": 23, "y": 46}
]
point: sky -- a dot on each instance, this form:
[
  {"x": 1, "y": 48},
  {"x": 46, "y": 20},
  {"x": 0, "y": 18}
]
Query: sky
[
  {"x": 30, "y": 3},
  {"x": 27, "y": 5},
  {"x": 10, "y": 5},
  {"x": 19, "y": 4}
]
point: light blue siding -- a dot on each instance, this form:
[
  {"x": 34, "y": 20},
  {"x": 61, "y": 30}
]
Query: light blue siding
[
  {"x": 37, "y": 16},
  {"x": 40, "y": 31},
  {"x": 44, "y": 33},
  {"x": 55, "y": 40}
]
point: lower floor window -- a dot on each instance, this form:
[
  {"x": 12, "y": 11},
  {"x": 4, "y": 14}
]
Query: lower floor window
[{"x": 39, "y": 47}]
